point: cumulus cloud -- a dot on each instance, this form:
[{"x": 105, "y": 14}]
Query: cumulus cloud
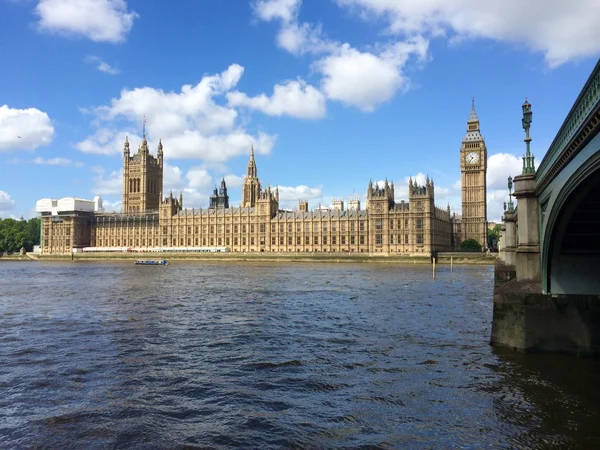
[
  {"x": 57, "y": 162},
  {"x": 290, "y": 195},
  {"x": 500, "y": 166},
  {"x": 98, "y": 20},
  {"x": 24, "y": 129},
  {"x": 112, "y": 206},
  {"x": 363, "y": 79},
  {"x": 102, "y": 66},
  {"x": 190, "y": 122},
  {"x": 107, "y": 183},
  {"x": 6, "y": 203},
  {"x": 561, "y": 30},
  {"x": 294, "y": 98}
]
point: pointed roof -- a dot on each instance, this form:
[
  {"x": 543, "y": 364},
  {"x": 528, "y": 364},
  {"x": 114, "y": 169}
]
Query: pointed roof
[{"x": 473, "y": 116}]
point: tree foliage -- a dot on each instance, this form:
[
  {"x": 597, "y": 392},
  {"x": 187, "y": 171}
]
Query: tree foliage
[
  {"x": 15, "y": 234},
  {"x": 470, "y": 245}
]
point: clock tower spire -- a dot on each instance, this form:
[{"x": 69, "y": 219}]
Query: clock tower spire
[{"x": 473, "y": 168}]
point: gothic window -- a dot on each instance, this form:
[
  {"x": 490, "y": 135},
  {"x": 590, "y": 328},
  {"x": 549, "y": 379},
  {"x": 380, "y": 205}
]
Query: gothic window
[
  {"x": 324, "y": 240},
  {"x": 419, "y": 238},
  {"x": 251, "y": 228},
  {"x": 419, "y": 224},
  {"x": 262, "y": 240},
  {"x": 378, "y": 239},
  {"x": 243, "y": 241},
  {"x": 235, "y": 241},
  {"x": 189, "y": 230},
  {"x": 406, "y": 238},
  {"x": 273, "y": 240},
  {"x": 273, "y": 228},
  {"x": 343, "y": 226},
  {"x": 333, "y": 240},
  {"x": 378, "y": 224},
  {"x": 219, "y": 241},
  {"x": 316, "y": 240},
  {"x": 298, "y": 241},
  {"x": 325, "y": 227},
  {"x": 362, "y": 240},
  {"x": 378, "y": 207},
  {"x": 262, "y": 227},
  {"x": 281, "y": 228},
  {"x": 227, "y": 241},
  {"x": 235, "y": 228},
  {"x": 280, "y": 240},
  {"x": 212, "y": 241},
  {"x": 252, "y": 240},
  {"x": 244, "y": 228},
  {"x": 306, "y": 240},
  {"x": 352, "y": 240},
  {"x": 289, "y": 227},
  {"x": 298, "y": 227},
  {"x": 362, "y": 225},
  {"x": 343, "y": 240},
  {"x": 212, "y": 229},
  {"x": 334, "y": 226},
  {"x": 391, "y": 238},
  {"x": 391, "y": 224}
]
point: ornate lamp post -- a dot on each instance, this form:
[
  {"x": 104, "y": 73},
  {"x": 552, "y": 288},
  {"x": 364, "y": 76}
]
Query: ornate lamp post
[
  {"x": 510, "y": 207},
  {"x": 528, "y": 159}
]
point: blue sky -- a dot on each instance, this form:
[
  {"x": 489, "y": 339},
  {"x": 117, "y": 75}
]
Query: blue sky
[{"x": 331, "y": 93}]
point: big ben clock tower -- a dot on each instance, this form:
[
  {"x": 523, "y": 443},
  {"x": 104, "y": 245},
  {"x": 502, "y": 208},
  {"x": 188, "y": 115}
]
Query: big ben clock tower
[{"x": 473, "y": 168}]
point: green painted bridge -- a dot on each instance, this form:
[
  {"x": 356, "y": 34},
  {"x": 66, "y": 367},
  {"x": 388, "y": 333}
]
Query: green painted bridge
[{"x": 550, "y": 241}]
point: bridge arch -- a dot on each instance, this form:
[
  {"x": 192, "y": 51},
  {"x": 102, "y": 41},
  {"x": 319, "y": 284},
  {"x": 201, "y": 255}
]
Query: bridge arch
[{"x": 571, "y": 244}]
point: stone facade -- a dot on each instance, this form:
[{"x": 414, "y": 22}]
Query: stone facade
[
  {"x": 415, "y": 226},
  {"x": 142, "y": 178},
  {"x": 473, "y": 167}
]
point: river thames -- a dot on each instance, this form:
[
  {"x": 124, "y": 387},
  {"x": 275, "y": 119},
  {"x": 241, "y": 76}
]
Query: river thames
[{"x": 237, "y": 355}]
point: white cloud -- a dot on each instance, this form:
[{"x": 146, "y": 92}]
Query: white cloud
[
  {"x": 364, "y": 79},
  {"x": 295, "y": 98},
  {"x": 285, "y": 10},
  {"x": 190, "y": 123},
  {"x": 101, "y": 65},
  {"x": 98, "y": 20},
  {"x": 57, "y": 162},
  {"x": 199, "y": 178},
  {"x": 24, "y": 128},
  {"x": 495, "y": 204},
  {"x": 110, "y": 206},
  {"x": 6, "y": 203},
  {"x": 500, "y": 166},
  {"x": 561, "y": 30},
  {"x": 290, "y": 195},
  {"x": 107, "y": 183},
  {"x": 234, "y": 181}
]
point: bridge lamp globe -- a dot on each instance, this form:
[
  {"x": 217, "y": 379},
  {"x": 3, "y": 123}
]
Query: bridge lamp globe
[
  {"x": 510, "y": 184},
  {"x": 527, "y": 114}
]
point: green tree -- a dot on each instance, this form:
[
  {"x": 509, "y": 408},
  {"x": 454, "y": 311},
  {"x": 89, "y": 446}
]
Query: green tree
[
  {"x": 15, "y": 234},
  {"x": 470, "y": 245}
]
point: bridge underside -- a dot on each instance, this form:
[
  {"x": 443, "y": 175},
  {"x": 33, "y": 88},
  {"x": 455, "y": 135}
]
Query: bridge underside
[{"x": 574, "y": 250}]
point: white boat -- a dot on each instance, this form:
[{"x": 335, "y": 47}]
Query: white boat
[{"x": 151, "y": 262}]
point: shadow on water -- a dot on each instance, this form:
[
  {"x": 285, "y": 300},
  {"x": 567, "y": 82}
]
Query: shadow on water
[{"x": 553, "y": 399}]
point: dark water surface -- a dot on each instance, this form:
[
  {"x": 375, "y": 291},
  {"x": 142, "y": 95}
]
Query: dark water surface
[{"x": 268, "y": 356}]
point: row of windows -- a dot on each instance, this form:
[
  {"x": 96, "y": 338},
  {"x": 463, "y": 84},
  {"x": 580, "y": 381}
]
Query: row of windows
[{"x": 352, "y": 240}]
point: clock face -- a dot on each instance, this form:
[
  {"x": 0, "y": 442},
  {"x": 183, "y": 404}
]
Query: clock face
[{"x": 472, "y": 158}]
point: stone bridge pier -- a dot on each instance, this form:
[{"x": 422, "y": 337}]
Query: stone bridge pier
[{"x": 547, "y": 294}]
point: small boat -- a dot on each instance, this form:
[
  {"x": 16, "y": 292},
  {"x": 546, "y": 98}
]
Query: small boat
[{"x": 151, "y": 262}]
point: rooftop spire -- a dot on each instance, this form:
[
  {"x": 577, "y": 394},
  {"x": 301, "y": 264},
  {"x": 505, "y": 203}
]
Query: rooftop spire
[
  {"x": 473, "y": 116},
  {"x": 252, "y": 164},
  {"x": 144, "y": 127}
]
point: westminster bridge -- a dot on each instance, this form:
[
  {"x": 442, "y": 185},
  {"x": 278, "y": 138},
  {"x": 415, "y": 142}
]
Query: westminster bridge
[{"x": 550, "y": 242}]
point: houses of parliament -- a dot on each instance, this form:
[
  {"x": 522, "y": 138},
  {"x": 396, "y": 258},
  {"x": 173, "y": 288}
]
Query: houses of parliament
[{"x": 150, "y": 221}]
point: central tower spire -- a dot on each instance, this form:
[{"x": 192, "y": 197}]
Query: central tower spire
[{"x": 251, "y": 189}]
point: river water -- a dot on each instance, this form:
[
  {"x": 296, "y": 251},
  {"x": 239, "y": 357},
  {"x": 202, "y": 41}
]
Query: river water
[{"x": 211, "y": 355}]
